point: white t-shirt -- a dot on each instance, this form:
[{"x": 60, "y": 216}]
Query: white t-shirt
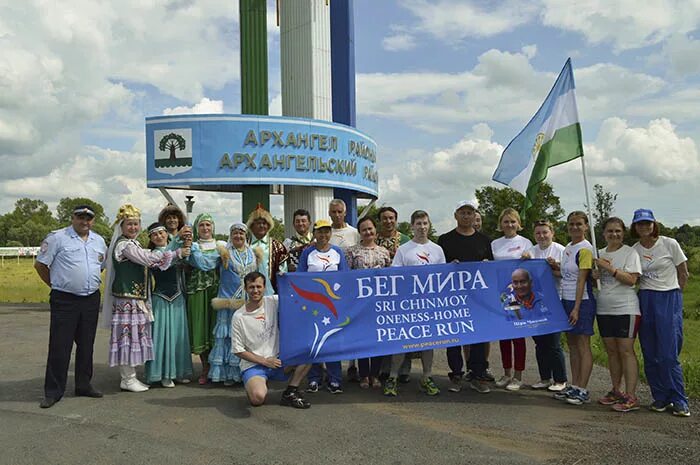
[
  {"x": 412, "y": 253},
  {"x": 256, "y": 331},
  {"x": 345, "y": 237},
  {"x": 614, "y": 297},
  {"x": 575, "y": 257},
  {"x": 659, "y": 264},
  {"x": 555, "y": 251},
  {"x": 510, "y": 248},
  {"x": 322, "y": 261}
]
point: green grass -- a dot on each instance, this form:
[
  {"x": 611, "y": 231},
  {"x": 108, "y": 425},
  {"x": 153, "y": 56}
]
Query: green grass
[{"x": 19, "y": 282}]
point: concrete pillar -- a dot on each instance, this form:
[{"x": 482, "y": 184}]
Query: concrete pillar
[{"x": 305, "y": 55}]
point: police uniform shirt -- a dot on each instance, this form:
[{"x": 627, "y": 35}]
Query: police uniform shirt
[{"x": 74, "y": 264}]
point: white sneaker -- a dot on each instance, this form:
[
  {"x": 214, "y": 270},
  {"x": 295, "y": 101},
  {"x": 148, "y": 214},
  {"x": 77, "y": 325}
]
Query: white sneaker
[
  {"x": 132, "y": 385},
  {"x": 184, "y": 381},
  {"x": 557, "y": 387},
  {"x": 503, "y": 382},
  {"x": 167, "y": 383},
  {"x": 542, "y": 384},
  {"x": 514, "y": 385}
]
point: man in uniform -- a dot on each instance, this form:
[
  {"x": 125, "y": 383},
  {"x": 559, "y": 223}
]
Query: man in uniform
[{"x": 70, "y": 263}]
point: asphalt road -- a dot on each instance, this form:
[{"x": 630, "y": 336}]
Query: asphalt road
[{"x": 192, "y": 424}]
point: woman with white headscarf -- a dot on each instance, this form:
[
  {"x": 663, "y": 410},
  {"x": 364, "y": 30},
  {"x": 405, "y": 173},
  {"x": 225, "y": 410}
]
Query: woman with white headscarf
[
  {"x": 127, "y": 308},
  {"x": 236, "y": 259}
]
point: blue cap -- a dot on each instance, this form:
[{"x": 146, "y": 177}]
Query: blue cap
[{"x": 643, "y": 214}]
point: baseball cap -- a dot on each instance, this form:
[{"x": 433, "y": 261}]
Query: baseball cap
[
  {"x": 322, "y": 224},
  {"x": 643, "y": 214},
  {"x": 467, "y": 203}
]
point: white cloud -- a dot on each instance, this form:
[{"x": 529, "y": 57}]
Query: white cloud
[
  {"x": 682, "y": 53},
  {"x": 66, "y": 64},
  {"x": 205, "y": 106},
  {"x": 656, "y": 154},
  {"x": 502, "y": 86},
  {"x": 455, "y": 20},
  {"x": 399, "y": 42},
  {"x": 449, "y": 174},
  {"x": 627, "y": 24}
]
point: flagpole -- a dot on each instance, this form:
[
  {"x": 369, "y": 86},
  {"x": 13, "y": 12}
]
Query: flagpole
[{"x": 590, "y": 214}]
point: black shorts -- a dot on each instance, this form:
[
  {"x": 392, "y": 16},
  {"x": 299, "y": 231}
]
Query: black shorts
[{"x": 620, "y": 326}]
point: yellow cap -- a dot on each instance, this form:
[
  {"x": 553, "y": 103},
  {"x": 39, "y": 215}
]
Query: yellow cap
[{"x": 322, "y": 224}]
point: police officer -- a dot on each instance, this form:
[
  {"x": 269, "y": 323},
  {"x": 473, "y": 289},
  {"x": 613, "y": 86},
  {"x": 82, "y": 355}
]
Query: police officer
[{"x": 70, "y": 262}]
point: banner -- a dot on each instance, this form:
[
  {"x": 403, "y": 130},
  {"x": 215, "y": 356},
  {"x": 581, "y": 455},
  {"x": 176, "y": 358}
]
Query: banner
[{"x": 356, "y": 314}]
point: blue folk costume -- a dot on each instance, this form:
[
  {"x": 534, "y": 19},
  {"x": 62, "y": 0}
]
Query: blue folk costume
[
  {"x": 171, "y": 344},
  {"x": 233, "y": 264}
]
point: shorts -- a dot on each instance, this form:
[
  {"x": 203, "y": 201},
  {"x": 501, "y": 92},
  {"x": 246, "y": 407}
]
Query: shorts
[
  {"x": 586, "y": 315},
  {"x": 621, "y": 326},
  {"x": 274, "y": 374}
]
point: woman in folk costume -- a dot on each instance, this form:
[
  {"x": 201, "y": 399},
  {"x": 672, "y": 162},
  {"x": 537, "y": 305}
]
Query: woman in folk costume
[
  {"x": 171, "y": 346},
  {"x": 235, "y": 260},
  {"x": 127, "y": 308},
  {"x": 202, "y": 287},
  {"x": 274, "y": 253}
]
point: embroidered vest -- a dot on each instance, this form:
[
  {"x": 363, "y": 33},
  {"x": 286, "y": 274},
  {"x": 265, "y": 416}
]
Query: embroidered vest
[{"x": 130, "y": 279}]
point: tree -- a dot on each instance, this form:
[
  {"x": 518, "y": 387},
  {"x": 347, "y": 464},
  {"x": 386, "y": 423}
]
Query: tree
[
  {"x": 603, "y": 207},
  {"x": 28, "y": 224},
  {"x": 278, "y": 231},
  {"x": 64, "y": 212},
  {"x": 493, "y": 200},
  {"x": 172, "y": 142}
]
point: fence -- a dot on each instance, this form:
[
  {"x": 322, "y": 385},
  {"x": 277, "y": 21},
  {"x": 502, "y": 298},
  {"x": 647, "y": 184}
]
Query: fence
[{"x": 9, "y": 252}]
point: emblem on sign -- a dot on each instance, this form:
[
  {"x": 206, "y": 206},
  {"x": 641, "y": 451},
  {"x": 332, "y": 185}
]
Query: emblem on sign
[{"x": 173, "y": 150}]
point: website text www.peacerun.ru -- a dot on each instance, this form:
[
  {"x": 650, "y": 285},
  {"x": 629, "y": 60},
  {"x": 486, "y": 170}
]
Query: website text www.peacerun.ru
[{"x": 421, "y": 345}]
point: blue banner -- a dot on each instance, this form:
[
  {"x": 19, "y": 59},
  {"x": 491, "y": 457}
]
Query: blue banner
[
  {"x": 356, "y": 314},
  {"x": 238, "y": 150}
]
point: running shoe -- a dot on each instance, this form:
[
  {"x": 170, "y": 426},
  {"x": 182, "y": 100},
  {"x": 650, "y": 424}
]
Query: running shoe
[
  {"x": 557, "y": 387},
  {"x": 503, "y": 382},
  {"x": 660, "y": 406},
  {"x": 294, "y": 399},
  {"x": 390, "y": 387},
  {"x": 376, "y": 384},
  {"x": 364, "y": 383},
  {"x": 479, "y": 386},
  {"x": 681, "y": 410},
  {"x": 514, "y": 385},
  {"x": 469, "y": 375},
  {"x": 429, "y": 386},
  {"x": 579, "y": 397},
  {"x": 334, "y": 388},
  {"x": 564, "y": 393},
  {"x": 611, "y": 398},
  {"x": 541, "y": 384},
  {"x": 488, "y": 375},
  {"x": 167, "y": 383},
  {"x": 455, "y": 384},
  {"x": 626, "y": 403},
  {"x": 312, "y": 387}
]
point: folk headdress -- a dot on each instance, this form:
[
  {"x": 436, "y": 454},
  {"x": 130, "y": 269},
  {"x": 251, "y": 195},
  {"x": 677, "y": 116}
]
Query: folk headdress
[
  {"x": 127, "y": 211},
  {"x": 260, "y": 213},
  {"x": 174, "y": 210},
  {"x": 202, "y": 217}
]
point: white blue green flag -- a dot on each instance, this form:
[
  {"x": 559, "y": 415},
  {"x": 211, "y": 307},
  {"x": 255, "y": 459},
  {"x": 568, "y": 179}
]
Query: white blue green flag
[{"x": 552, "y": 137}]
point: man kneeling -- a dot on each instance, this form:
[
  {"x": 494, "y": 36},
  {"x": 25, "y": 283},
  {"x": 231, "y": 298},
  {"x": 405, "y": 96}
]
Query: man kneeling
[{"x": 255, "y": 340}]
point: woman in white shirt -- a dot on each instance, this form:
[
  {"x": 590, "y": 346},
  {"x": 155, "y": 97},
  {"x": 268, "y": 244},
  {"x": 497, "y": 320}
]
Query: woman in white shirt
[
  {"x": 664, "y": 275},
  {"x": 618, "y": 314},
  {"x": 550, "y": 356},
  {"x": 511, "y": 247}
]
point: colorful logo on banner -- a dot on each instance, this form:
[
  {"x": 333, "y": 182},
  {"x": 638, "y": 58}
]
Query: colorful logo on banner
[{"x": 334, "y": 316}]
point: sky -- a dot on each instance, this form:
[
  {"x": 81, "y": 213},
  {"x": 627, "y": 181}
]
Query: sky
[{"x": 442, "y": 86}]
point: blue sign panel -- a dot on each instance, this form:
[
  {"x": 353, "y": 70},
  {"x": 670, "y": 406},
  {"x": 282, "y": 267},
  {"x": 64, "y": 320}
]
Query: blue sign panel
[
  {"x": 356, "y": 314},
  {"x": 190, "y": 151}
]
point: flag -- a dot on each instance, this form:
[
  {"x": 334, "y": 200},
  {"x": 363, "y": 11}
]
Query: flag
[{"x": 552, "y": 137}]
